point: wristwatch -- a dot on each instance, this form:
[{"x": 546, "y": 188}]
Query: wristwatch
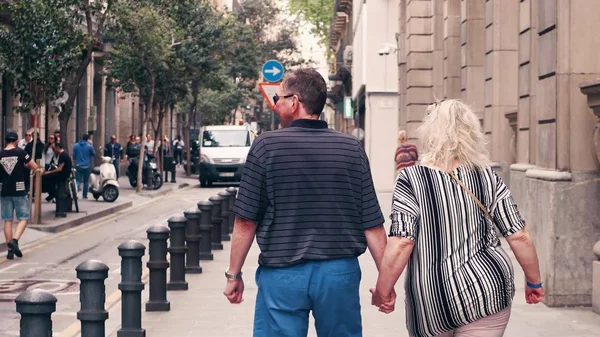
[{"x": 237, "y": 276}]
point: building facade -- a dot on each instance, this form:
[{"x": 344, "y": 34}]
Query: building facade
[
  {"x": 519, "y": 65},
  {"x": 530, "y": 71}
]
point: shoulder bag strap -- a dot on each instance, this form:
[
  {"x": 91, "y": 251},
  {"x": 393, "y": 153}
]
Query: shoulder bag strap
[{"x": 481, "y": 206}]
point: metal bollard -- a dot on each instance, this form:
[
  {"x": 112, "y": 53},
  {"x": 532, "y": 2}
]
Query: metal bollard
[
  {"x": 177, "y": 249},
  {"x": 225, "y": 216},
  {"x": 92, "y": 295},
  {"x": 158, "y": 265},
  {"x": 192, "y": 238},
  {"x": 36, "y": 307},
  {"x": 205, "y": 228},
  {"x": 131, "y": 287},
  {"x": 216, "y": 222},
  {"x": 233, "y": 191}
]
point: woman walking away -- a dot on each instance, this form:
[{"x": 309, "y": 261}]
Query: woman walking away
[
  {"x": 406, "y": 154},
  {"x": 445, "y": 213}
]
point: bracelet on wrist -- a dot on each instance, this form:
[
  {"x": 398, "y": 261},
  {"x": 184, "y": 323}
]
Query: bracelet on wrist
[{"x": 535, "y": 285}]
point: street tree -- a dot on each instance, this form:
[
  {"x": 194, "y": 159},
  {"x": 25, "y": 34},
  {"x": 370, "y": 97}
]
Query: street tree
[
  {"x": 318, "y": 13},
  {"x": 39, "y": 50},
  {"x": 141, "y": 52},
  {"x": 273, "y": 31}
]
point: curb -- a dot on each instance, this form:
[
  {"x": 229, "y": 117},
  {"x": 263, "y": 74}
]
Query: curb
[
  {"x": 162, "y": 193},
  {"x": 84, "y": 219}
]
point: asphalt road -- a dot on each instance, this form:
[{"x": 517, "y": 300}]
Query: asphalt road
[{"x": 51, "y": 265}]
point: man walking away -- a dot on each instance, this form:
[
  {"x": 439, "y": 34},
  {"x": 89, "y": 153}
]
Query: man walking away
[
  {"x": 14, "y": 162},
  {"x": 307, "y": 194},
  {"x": 115, "y": 151},
  {"x": 83, "y": 153},
  {"x": 60, "y": 176}
]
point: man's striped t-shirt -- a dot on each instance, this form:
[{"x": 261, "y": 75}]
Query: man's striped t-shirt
[{"x": 310, "y": 190}]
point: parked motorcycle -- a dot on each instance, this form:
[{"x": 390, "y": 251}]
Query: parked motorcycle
[
  {"x": 103, "y": 181},
  {"x": 157, "y": 180}
]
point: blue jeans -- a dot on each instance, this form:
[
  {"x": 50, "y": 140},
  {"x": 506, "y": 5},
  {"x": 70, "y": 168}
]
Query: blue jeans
[
  {"x": 330, "y": 289},
  {"x": 83, "y": 173},
  {"x": 12, "y": 205}
]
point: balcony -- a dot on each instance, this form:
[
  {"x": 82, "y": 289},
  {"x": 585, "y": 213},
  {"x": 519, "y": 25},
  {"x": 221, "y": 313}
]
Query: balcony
[{"x": 341, "y": 15}]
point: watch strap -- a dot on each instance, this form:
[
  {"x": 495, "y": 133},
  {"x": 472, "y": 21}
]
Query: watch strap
[{"x": 229, "y": 276}]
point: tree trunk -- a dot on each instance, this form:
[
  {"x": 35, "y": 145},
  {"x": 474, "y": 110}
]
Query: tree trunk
[
  {"x": 63, "y": 121},
  {"x": 144, "y": 131},
  {"x": 191, "y": 117}
]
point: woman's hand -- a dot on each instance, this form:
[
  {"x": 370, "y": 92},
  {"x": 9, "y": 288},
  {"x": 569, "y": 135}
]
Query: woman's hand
[
  {"x": 534, "y": 295},
  {"x": 385, "y": 303}
]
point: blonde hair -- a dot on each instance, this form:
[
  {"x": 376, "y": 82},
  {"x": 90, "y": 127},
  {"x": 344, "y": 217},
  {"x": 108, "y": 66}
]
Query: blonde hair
[
  {"x": 452, "y": 131},
  {"x": 402, "y": 138}
]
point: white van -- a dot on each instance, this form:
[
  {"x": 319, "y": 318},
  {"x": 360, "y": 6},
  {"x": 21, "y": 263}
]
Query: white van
[{"x": 223, "y": 151}]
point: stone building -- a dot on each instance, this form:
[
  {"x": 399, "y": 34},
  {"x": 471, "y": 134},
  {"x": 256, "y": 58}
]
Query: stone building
[
  {"x": 519, "y": 64},
  {"x": 525, "y": 67}
]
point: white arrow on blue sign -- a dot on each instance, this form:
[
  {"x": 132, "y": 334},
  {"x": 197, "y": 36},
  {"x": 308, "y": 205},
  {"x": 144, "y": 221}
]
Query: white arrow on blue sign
[{"x": 272, "y": 71}]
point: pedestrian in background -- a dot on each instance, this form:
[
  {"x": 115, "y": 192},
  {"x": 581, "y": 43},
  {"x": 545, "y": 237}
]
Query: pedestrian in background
[
  {"x": 83, "y": 153},
  {"x": 445, "y": 213},
  {"x": 114, "y": 150},
  {"x": 59, "y": 176},
  {"x": 406, "y": 154},
  {"x": 307, "y": 195},
  {"x": 14, "y": 165}
]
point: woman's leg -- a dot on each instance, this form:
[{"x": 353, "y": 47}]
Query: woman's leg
[{"x": 490, "y": 326}]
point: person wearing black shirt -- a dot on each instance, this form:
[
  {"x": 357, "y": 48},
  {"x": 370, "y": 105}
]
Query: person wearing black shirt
[
  {"x": 60, "y": 176},
  {"x": 39, "y": 149},
  {"x": 14, "y": 162},
  {"x": 114, "y": 150}
]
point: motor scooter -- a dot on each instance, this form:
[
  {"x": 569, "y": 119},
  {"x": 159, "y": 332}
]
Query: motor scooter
[
  {"x": 103, "y": 181},
  {"x": 157, "y": 180}
]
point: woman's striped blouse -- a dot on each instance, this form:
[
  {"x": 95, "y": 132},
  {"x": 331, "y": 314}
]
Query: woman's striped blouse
[{"x": 457, "y": 273}]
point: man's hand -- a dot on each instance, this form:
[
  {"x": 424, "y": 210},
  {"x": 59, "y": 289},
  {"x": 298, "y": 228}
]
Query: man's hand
[
  {"x": 385, "y": 303},
  {"x": 234, "y": 291}
]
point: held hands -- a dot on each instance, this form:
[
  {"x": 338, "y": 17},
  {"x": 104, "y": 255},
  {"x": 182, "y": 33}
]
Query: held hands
[
  {"x": 534, "y": 296},
  {"x": 234, "y": 291},
  {"x": 385, "y": 303}
]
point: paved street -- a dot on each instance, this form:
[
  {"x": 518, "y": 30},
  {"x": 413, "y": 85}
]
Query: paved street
[
  {"x": 50, "y": 262},
  {"x": 202, "y": 310}
]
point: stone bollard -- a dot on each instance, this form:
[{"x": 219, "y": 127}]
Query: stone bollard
[
  {"x": 177, "y": 249},
  {"x": 131, "y": 287},
  {"x": 216, "y": 222},
  {"x": 225, "y": 216},
  {"x": 36, "y": 307},
  {"x": 205, "y": 228},
  {"x": 158, "y": 265},
  {"x": 233, "y": 191},
  {"x": 192, "y": 238},
  {"x": 92, "y": 295}
]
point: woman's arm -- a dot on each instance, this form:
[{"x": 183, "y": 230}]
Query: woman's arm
[
  {"x": 522, "y": 246},
  {"x": 396, "y": 255}
]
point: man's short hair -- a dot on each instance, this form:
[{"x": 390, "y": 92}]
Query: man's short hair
[
  {"x": 309, "y": 86},
  {"x": 59, "y": 145},
  {"x": 85, "y": 137}
]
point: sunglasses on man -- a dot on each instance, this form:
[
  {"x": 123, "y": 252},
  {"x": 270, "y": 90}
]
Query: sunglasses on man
[{"x": 277, "y": 98}]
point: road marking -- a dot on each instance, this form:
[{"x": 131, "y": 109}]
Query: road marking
[
  {"x": 84, "y": 228},
  {"x": 18, "y": 264}
]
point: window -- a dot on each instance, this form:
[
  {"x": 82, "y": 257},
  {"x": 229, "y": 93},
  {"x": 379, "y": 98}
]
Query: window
[{"x": 226, "y": 138}]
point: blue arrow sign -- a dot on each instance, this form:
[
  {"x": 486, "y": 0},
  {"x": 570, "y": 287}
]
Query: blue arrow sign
[{"x": 272, "y": 71}]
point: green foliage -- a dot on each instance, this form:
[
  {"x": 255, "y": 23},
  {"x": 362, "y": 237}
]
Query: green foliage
[
  {"x": 319, "y": 13},
  {"x": 41, "y": 49},
  {"x": 273, "y": 34},
  {"x": 142, "y": 49}
]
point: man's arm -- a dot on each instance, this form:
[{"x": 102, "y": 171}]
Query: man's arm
[
  {"x": 31, "y": 165},
  {"x": 58, "y": 169},
  {"x": 376, "y": 241},
  {"x": 242, "y": 237}
]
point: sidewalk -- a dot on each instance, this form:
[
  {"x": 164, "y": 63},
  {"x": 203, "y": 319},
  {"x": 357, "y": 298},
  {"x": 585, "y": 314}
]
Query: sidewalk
[
  {"x": 91, "y": 210},
  {"x": 203, "y": 310}
]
